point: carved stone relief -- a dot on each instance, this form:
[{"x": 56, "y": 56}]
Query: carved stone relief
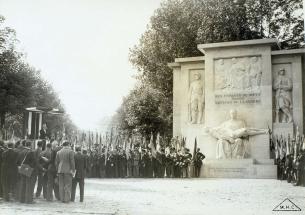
[
  {"x": 282, "y": 86},
  {"x": 243, "y": 73},
  {"x": 237, "y": 80},
  {"x": 196, "y": 97}
]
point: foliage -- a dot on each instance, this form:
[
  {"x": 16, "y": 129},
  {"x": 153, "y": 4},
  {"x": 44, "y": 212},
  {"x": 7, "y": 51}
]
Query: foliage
[
  {"x": 22, "y": 86},
  {"x": 178, "y": 26},
  {"x": 141, "y": 111}
]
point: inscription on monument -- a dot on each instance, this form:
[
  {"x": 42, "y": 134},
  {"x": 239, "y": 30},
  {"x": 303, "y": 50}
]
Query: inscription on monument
[
  {"x": 238, "y": 80},
  {"x": 238, "y": 98}
]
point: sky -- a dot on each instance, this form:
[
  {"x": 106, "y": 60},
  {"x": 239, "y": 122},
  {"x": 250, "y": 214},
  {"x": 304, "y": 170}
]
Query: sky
[{"x": 81, "y": 48}]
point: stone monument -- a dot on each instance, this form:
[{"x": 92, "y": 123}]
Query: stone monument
[{"x": 229, "y": 99}]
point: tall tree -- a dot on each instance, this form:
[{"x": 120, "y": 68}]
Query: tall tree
[{"x": 21, "y": 85}]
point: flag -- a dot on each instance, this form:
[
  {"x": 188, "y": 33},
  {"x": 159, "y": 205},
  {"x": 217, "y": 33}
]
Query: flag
[
  {"x": 195, "y": 148},
  {"x": 277, "y": 152},
  {"x": 158, "y": 145},
  {"x": 151, "y": 145},
  {"x": 288, "y": 145},
  {"x": 303, "y": 145}
]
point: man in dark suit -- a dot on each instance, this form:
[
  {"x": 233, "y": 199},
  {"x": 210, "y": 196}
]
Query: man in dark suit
[
  {"x": 9, "y": 169},
  {"x": 44, "y": 135},
  {"x": 80, "y": 167},
  {"x": 65, "y": 166},
  {"x": 27, "y": 156},
  {"x": 51, "y": 173}
]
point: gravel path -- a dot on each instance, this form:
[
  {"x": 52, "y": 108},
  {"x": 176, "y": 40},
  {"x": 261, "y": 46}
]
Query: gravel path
[{"x": 171, "y": 197}]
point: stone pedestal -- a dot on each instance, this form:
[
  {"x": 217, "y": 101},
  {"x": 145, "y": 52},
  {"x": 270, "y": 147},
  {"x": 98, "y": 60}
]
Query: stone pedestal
[{"x": 240, "y": 168}]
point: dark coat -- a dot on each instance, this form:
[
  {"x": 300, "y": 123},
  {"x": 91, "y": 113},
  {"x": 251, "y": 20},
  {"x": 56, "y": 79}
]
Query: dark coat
[
  {"x": 44, "y": 134},
  {"x": 80, "y": 165},
  {"x": 9, "y": 166}
]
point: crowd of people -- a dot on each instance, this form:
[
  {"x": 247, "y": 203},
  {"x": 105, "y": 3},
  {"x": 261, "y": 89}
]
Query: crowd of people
[
  {"x": 144, "y": 162},
  {"x": 56, "y": 170},
  {"x": 53, "y": 168},
  {"x": 290, "y": 158},
  {"x": 30, "y": 169}
]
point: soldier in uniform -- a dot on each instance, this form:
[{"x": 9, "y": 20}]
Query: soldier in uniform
[
  {"x": 160, "y": 163},
  {"x": 145, "y": 164},
  {"x": 198, "y": 157},
  {"x": 102, "y": 165},
  {"x": 282, "y": 167},
  {"x": 186, "y": 159},
  {"x": 301, "y": 169},
  {"x": 136, "y": 163},
  {"x": 149, "y": 165},
  {"x": 129, "y": 157},
  {"x": 123, "y": 164},
  {"x": 288, "y": 167}
]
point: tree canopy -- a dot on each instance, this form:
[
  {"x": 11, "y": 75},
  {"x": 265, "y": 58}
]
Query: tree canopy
[
  {"x": 174, "y": 31},
  {"x": 21, "y": 85}
]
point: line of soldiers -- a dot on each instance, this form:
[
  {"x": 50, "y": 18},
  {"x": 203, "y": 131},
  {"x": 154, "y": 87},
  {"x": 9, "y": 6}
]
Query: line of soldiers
[
  {"x": 45, "y": 171},
  {"x": 290, "y": 158},
  {"x": 143, "y": 162}
]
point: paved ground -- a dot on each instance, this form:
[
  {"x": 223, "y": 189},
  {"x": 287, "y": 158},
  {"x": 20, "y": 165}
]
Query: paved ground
[{"x": 171, "y": 197}]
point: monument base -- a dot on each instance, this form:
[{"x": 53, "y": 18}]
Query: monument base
[{"x": 239, "y": 168}]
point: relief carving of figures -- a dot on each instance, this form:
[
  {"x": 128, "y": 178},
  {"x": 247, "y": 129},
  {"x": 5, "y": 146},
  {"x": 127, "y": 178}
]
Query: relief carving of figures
[
  {"x": 283, "y": 101},
  {"x": 231, "y": 137},
  {"x": 254, "y": 73},
  {"x": 221, "y": 76},
  {"x": 196, "y": 100},
  {"x": 239, "y": 74}
]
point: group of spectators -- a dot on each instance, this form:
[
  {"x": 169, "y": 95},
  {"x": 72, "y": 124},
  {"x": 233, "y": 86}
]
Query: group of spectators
[
  {"x": 143, "y": 162},
  {"x": 290, "y": 159},
  {"x": 54, "y": 170},
  {"x": 292, "y": 168},
  {"x": 31, "y": 169}
]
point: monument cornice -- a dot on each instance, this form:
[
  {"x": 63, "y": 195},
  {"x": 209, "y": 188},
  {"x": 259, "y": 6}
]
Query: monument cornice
[
  {"x": 288, "y": 52},
  {"x": 269, "y": 41},
  {"x": 179, "y": 61}
]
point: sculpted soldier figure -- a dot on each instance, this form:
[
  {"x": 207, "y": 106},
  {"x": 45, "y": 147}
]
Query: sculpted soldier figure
[
  {"x": 196, "y": 100},
  {"x": 231, "y": 135},
  {"x": 283, "y": 102}
]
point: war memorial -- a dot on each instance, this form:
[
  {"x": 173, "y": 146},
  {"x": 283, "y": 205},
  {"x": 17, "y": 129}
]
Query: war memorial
[{"x": 233, "y": 99}]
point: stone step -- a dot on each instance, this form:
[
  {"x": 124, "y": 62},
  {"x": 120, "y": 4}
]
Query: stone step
[{"x": 264, "y": 161}]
